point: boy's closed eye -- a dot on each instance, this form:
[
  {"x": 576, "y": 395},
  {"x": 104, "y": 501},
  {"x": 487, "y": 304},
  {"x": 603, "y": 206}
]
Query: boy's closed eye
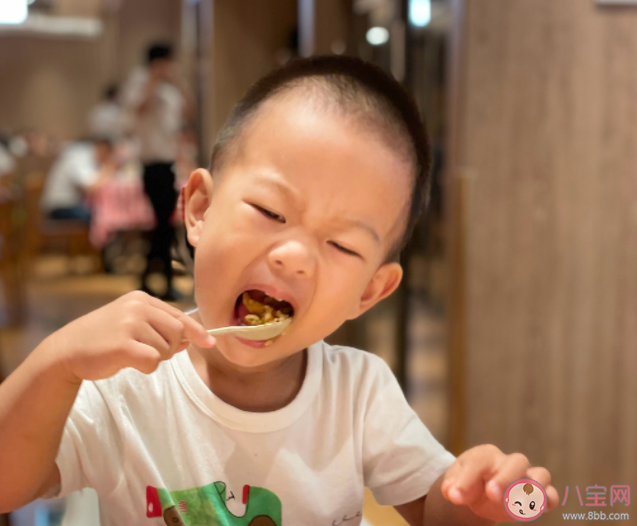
[
  {"x": 344, "y": 250},
  {"x": 277, "y": 217},
  {"x": 269, "y": 214}
]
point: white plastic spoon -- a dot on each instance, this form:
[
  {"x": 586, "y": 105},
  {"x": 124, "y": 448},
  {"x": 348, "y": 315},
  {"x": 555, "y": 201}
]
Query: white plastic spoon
[{"x": 254, "y": 332}]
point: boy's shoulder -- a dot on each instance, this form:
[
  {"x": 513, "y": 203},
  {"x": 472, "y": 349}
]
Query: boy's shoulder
[
  {"x": 355, "y": 364},
  {"x": 345, "y": 353}
]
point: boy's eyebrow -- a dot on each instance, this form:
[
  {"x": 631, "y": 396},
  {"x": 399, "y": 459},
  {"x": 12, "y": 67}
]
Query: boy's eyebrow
[
  {"x": 292, "y": 194},
  {"x": 279, "y": 185},
  {"x": 361, "y": 224}
]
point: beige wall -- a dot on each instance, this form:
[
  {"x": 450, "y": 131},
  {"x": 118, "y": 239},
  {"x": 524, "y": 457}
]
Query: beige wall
[
  {"x": 546, "y": 141},
  {"x": 52, "y": 83},
  {"x": 48, "y": 83}
]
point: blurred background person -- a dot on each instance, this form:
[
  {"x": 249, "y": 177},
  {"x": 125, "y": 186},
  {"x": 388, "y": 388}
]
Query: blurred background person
[
  {"x": 81, "y": 168},
  {"x": 160, "y": 104},
  {"x": 7, "y": 161},
  {"x": 108, "y": 118}
]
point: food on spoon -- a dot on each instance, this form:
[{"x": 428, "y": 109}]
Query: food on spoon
[{"x": 262, "y": 312}]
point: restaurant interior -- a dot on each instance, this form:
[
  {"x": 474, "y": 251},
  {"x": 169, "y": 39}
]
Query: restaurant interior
[{"x": 514, "y": 319}]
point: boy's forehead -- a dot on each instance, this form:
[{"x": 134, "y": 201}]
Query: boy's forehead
[{"x": 292, "y": 131}]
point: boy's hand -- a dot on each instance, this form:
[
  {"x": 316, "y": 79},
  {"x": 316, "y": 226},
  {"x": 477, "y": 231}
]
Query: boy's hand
[
  {"x": 135, "y": 330},
  {"x": 480, "y": 476}
]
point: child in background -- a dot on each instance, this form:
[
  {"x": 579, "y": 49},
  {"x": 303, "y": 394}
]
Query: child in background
[{"x": 315, "y": 184}]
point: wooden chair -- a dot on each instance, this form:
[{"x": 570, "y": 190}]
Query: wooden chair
[
  {"x": 10, "y": 272},
  {"x": 68, "y": 236}
]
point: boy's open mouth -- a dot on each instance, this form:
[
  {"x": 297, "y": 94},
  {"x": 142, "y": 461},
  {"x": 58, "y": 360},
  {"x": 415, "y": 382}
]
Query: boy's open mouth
[{"x": 255, "y": 307}]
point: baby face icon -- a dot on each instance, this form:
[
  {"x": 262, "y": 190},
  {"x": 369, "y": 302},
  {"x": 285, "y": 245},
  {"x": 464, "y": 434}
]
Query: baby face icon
[{"x": 525, "y": 500}]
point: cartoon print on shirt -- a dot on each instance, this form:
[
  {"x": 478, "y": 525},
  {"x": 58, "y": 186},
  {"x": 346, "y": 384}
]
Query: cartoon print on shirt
[
  {"x": 172, "y": 517},
  {"x": 206, "y": 506}
]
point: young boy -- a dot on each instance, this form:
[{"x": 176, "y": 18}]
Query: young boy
[{"x": 315, "y": 184}]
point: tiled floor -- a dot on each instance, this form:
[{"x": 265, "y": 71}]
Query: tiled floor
[{"x": 55, "y": 298}]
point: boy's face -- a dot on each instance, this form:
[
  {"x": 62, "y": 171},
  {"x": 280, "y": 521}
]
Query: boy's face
[{"x": 302, "y": 183}]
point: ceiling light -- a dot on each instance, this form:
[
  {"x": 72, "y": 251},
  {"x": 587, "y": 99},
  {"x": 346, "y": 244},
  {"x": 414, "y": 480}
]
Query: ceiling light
[
  {"x": 377, "y": 36},
  {"x": 13, "y": 11},
  {"x": 419, "y": 12}
]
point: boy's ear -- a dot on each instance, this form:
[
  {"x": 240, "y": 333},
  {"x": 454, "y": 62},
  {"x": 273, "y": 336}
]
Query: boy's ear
[
  {"x": 384, "y": 282},
  {"x": 197, "y": 198}
]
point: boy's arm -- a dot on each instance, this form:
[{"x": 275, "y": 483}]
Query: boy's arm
[
  {"x": 433, "y": 509},
  {"x": 35, "y": 402},
  {"x": 135, "y": 330},
  {"x": 471, "y": 492}
]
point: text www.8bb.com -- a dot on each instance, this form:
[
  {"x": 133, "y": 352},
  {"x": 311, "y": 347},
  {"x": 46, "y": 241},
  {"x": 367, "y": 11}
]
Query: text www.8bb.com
[{"x": 595, "y": 516}]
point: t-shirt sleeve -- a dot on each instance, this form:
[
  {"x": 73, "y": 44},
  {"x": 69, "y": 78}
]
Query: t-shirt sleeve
[
  {"x": 90, "y": 453},
  {"x": 401, "y": 458}
]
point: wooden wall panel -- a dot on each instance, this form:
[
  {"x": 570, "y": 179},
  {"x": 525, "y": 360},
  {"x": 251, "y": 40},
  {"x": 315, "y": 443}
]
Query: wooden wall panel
[
  {"x": 246, "y": 37},
  {"x": 547, "y": 133}
]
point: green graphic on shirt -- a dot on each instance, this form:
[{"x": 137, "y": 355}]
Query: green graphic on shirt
[{"x": 206, "y": 506}]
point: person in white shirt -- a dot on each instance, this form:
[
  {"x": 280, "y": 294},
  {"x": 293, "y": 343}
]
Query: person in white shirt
[
  {"x": 314, "y": 188},
  {"x": 80, "y": 168},
  {"x": 159, "y": 103},
  {"x": 108, "y": 118},
  {"x": 7, "y": 162}
]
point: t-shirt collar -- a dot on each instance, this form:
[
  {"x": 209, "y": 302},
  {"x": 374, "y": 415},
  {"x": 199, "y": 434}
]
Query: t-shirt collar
[{"x": 238, "y": 419}]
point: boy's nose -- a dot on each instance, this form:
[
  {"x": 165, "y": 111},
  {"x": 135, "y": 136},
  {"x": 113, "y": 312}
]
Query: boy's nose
[{"x": 293, "y": 259}]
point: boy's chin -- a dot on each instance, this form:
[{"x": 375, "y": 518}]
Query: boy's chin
[{"x": 246, "y": 355}]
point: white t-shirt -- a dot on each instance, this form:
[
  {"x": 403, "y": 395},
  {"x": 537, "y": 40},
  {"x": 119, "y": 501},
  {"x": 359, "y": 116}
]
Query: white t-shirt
[
  {"x": 158, "y": 128},
  {"x": 163, "y": 449},
  {"x": 7, "y": 163},
  {"x": 75, "y": 170}
]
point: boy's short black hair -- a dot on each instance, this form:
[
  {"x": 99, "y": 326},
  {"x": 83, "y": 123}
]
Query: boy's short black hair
[
  {"x": 159, "y": 51},
  {"x": 354, "y": 87}
]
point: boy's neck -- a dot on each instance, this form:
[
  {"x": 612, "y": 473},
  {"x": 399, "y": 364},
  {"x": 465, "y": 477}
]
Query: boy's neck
[{"x": 257, "y": 391}]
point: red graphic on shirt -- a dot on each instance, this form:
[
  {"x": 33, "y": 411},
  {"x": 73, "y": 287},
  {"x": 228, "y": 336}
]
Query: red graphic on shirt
[{"x": 207, "y": 505}]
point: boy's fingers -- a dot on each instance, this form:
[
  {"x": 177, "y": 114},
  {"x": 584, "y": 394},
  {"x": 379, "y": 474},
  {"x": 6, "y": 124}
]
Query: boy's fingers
[
  {"x": 155, "y": 302},
  {"x": 450, "y": 477},
  {"x": 143, "y": 357},
  {"x": 182, "y": 346},
  {"x": 543, "y": 476},
  {"x": 148, "y": 335},
  {"x": 196, "y": 333},
  {"x": 193, "y": 330},
  {"x": 514, "y": 467},
  {"x": 553, "y": 497},
  {"x": 539, "y": 474},
  {"x": 168, "y": 327},
  {"x": 467, "y": 483}
]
